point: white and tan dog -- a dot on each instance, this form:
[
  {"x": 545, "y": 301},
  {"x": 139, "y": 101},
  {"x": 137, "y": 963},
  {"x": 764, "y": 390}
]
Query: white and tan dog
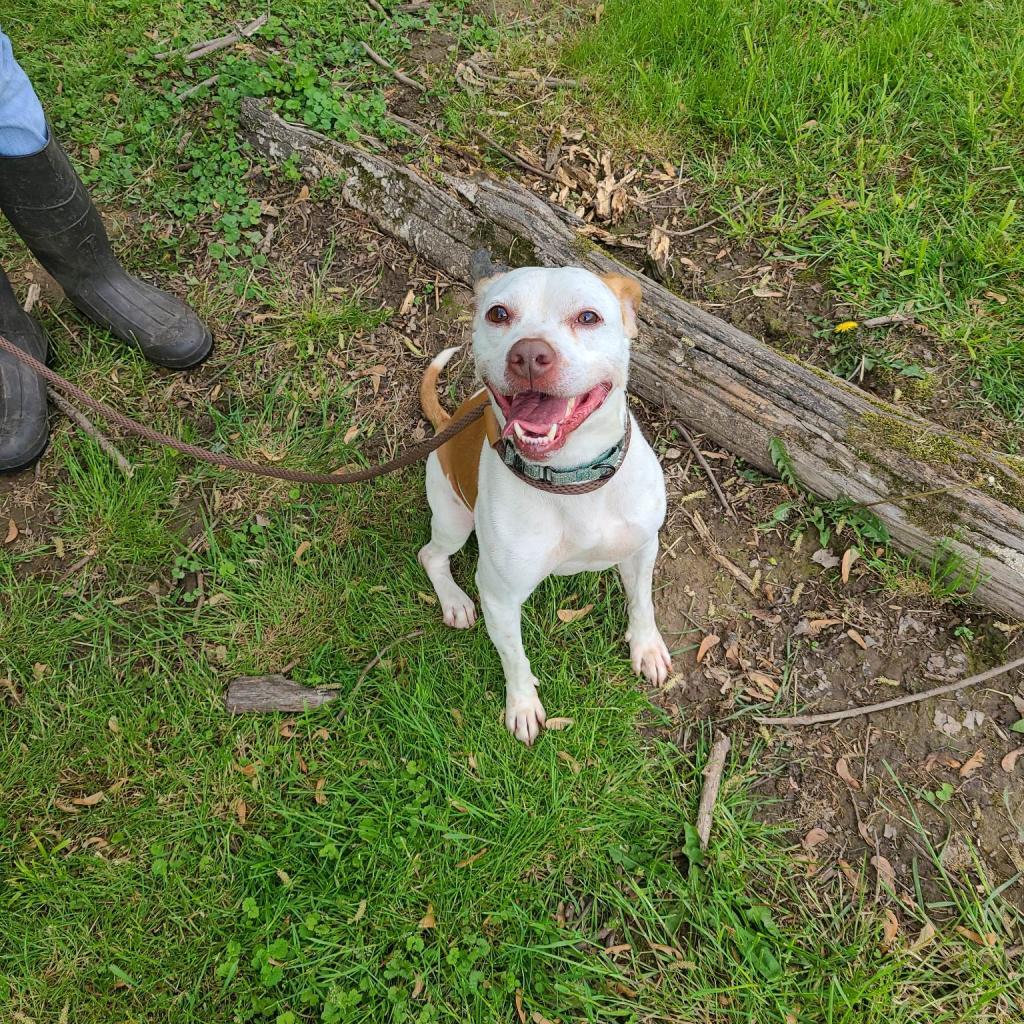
[{"x": 552, "y": 349}]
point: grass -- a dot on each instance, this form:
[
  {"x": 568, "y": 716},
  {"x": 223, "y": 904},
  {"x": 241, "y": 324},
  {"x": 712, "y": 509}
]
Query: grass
[
  {"x": 890, "y": 135},
  {"x": 394, "y": 856}
]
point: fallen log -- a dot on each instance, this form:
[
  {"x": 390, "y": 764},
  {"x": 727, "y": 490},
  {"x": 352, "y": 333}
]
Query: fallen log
[
  {"x": 273, "y": 693},
  {"x": 735, "y": 390}
]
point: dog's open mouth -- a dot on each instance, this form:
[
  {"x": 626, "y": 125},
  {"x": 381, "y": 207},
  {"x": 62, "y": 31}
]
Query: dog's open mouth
[{"x": 539, "y": 423}]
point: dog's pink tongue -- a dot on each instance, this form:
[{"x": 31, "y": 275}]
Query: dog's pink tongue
[{"x": 536, "y": 411}]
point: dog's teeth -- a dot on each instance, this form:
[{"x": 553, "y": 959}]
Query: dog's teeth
[
  {"x": 520, "y": 433},
  {"x": 569, "y": 408},
  {"x": 552, "y": 430}
]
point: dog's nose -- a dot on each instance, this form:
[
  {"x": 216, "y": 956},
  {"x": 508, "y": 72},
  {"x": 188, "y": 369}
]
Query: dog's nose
[{"x": 530, "y": 358}]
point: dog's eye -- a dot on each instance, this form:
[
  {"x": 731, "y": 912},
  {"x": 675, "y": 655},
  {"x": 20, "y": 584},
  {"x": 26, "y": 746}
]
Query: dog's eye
[
  {"x": 588, "y": 317},
  {"x": 497, "y": 315}
]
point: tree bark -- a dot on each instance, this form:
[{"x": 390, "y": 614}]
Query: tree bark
[
  {"x": 722, "y": 382},
  {"x": 273, "y": 693}
]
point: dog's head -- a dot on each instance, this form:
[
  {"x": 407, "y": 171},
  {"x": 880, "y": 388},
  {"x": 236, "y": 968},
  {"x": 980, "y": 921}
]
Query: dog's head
[{"x": 552, "y": 345}]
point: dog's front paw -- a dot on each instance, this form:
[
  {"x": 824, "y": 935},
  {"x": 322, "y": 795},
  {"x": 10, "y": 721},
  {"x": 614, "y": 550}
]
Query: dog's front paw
[
  {"x": 524, "y": 716},
  {"x": 458, "y": 610},
  {"x": 650, "y": 657}
]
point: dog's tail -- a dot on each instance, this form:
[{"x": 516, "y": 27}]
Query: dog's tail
[{"x": 429, "y": 400}]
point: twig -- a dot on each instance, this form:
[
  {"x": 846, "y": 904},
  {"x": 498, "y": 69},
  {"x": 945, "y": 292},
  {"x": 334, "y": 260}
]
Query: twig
[
  {"x": 517, "y": 160},
  {"x": 377, "y": 7},
  {"x": 885, "y": 321},
  {"x": 400, "y": 75},
  {"x": 714, "y": 220},
  {"x": 716, "y": 553},
  {"x": 712, "y": 781},
  {"x": 378, "y": 657},
  {"x": 78, "y": 418},
  {"x": 185, "y": 93},
  {"x": 912, "y": 698},
  {"x": 85, "y": 425},
  {"x": 719, "y": 493},
  {"x": 213, "y": 45}
]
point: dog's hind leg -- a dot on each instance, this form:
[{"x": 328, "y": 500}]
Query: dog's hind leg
[{"x": 451, "y": 523}]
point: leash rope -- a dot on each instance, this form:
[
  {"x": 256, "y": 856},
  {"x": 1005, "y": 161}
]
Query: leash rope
[{"x": 413, "y": 454}]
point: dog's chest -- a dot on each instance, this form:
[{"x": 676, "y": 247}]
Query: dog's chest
[{"x": 597, "y": 543}]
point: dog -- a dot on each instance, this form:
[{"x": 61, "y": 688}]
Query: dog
[{"x": 551, "y": 346}]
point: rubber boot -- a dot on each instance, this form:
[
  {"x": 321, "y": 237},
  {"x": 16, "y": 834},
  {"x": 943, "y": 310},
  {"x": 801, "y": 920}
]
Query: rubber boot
[
  {"x": 47, "y": 204},
  {"x": 23, "y": 427}
]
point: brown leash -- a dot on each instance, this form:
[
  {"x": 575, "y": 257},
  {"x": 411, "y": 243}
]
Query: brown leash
[{"x": 411, "y": 455}]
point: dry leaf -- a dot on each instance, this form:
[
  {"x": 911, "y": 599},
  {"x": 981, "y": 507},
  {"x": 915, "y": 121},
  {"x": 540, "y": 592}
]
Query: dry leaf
[
  {"x": 286, "y": 879},
  {"x": 286, "y": 730},
  {"x": 851, "y": 556},
  {"x": 843, "y": 771},
  {"x": 303, "y": 194},
  {"x": 64, "y": 806},
  {"x": 301, "y": 550},
  {"x": 812, "y": 627},
  {"x": 418, "y": 986},
  {"x": 318, "y": 792},
  {"x": 814, "y": 838},
  {"x": 886, "y": 872},
  {"x": 12, "y": 532},
  {"x": 706, "y": 644},
  {"x": 539, "y": 1018},
  {"x": 241, "y": 811},
  {"x": 573, "y": 614},
  {"x": 998, "y": 296},
  {"x": 321, "y": 734},
  {"x": 925, "y": 936},
  {"x": 351, "y": 434},
  {"x": 850, "y": 874},
  {"x": 825, "y": 558},
  {"x": 973, "y": 763},
  {"x": 428, "y": 920},
  {"x": 558, "y": 724},
  {"x": 113, "y": 726},
  {"x": 88, "y": 801},
  {"x": 623, "y": 947},
  {"x": 520, "y": 1012},
  {"x": 407, "y": 303},
  {"x": 1009, "y": 762},
  {"x": 890, "y": 930},
  {"x": 471, "y": 860},
  {"x": 857, "y": 639},
  {"x": 988, "y": 939},
  {"x": 571, "y": 761},
  {"x": 359, "y": 914}
]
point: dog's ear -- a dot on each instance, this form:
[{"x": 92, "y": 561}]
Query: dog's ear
[
  {"x": 483, "y": 270},
  {"x": 629, "y": 294}
]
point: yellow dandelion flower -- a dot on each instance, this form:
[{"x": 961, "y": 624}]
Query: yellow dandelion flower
[{"x": 846, "y": 325}]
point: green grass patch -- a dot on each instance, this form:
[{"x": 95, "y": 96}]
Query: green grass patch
[{"x": 890, "y": 135}]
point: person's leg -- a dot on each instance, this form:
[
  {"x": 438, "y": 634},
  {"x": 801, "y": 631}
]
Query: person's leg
[
  {"x": 22, "y": 122},
  {"x": 23, "y": 426},
  {"x": 47, "y": 205}
]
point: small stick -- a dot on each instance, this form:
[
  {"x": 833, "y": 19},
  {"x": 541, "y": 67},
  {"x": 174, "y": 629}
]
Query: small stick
[
  {"x": 79, "y": 419},
  {"x": 719, "y": 493},
  {"x": 912, "y": 698},
  {"x": 213, "y": 45},
  {"x": 185, "y": 93},
  {"x": 716, "y": 553},
  {"x": 87, "y": 428},
  {"x": 714, "y": 220},
  {"x": 885, "y": 321},
  {"x": 400, "y": 75},
  {"x": 378, "y": 657},
  {"x": 517, "y": 160},
  {"x": 712, "y": 781},
  {"x": 377, "y": 7}
]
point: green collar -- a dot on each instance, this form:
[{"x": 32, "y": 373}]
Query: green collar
[{"x": 599, "y": 470}]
